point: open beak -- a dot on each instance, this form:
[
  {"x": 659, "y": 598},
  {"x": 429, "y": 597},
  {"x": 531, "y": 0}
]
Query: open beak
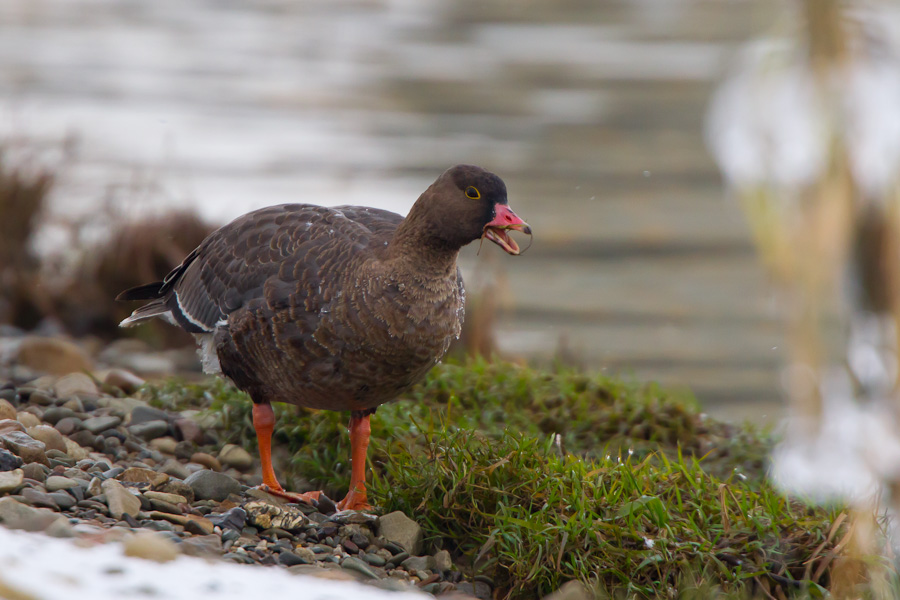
[{"x": 498, "y": 230}]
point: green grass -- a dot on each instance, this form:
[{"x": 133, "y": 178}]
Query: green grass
[{"x": 534, "y": 478}]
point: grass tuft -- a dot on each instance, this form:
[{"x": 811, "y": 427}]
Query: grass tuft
[{"x": 534, "y": 478}]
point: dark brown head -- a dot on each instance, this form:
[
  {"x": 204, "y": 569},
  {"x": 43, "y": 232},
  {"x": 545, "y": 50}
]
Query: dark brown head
[{"x": 464, "y": 204}]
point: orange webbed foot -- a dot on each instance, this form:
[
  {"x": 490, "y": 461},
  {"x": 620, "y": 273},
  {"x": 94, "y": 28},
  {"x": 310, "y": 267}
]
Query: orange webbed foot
[
  {"x": 355, "y": 499},
  {"x": 306, "y": 497}
]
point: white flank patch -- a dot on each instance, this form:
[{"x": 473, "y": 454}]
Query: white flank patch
[
  {"x": 207, "y": 350},
  {"x": 41, "y": 567},
  {"x": 188, "y": 316}
]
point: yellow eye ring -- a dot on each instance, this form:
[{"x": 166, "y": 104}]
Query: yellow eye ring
[{"x": 472, "y": 193}]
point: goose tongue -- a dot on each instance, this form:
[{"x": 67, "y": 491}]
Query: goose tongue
[{"x": 497, "y": 230}]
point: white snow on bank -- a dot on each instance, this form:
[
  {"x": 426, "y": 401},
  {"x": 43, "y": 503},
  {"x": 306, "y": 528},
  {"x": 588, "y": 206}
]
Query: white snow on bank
[{"x": 48, "y": 568}]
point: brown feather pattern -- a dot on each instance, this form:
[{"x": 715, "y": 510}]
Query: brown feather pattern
[{"x": 334, "y": 308}]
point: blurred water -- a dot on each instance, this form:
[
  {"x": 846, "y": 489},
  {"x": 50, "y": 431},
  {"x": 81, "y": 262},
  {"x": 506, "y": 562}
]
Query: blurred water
[{"x": 591, "y": 112}]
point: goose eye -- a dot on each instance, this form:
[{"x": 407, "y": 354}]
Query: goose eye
[{"x": 472, "y": 193}]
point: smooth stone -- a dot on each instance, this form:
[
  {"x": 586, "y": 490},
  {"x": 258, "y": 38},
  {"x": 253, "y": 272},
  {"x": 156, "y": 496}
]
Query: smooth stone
[
  {"x": 233, "y": 519},
  {"x": 289, "y": 559},
  {"x": 52, "y": 355},
  {"x": 40, "y": 398},
  {"x": 166, "y": 507},
  {"x": 74, "y": 450},
  {"x": 57, "y": 413},
  {"x": 236, "y": 457},
  {"x": 7, "y": 410},
  {"x": 17, "y": 515},
  {"x": 418, "y": 563},
  {"x": 36, "y": 497},
  {"x": 210, "y": 485},
  {"x": 164, "y": 497},
  {"x": 398, "y": 528},
  {"x": 141, "y": 475},
  {"x": 74, "y": 384},
  {"x": 166, "y": 445},
  {"x": 10, "y": 425},
  {"x": 57, "y": 458},
  {"x": 202, "y": 545},
  {"x": 9, "y": 461},
  {"x": 51, "y": 438},
  {"x": 25, "y": 447},
  {"x": 120, "y": 500},
  {"x": 56, "y": 483},
  {"x": 354, "y": 564},
  {"x": 176, "y": 486},
  {"x": 63, "y": 500},
  {"x": 145, "y": 414},
  {"x": 68, "y": 425},
  {"x": 35, "y": 471},
  {"x": 97, "y": 425},
  {"x": 207, "y": 460},
  {"x": 74, "y": 404},
  {"x": 10, "y": 480},
  {"x": 61, "y": 528},
  {"x": 28, "y": 419},
  {"x": 442, "y": 561},
  {"x": 374, "y": 560},
  {"x": 151, "y": 546},
  {"x": 126, "y": 381},
  {"x": 149, "y": 430},
  {"x": 173, "y": 468}
]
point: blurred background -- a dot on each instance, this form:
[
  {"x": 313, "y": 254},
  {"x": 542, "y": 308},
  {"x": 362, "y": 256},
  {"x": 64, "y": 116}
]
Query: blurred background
[{"x": 594, "y": 113}]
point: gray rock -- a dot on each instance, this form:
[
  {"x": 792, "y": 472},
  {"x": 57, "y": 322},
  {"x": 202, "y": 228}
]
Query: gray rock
[
  {"x": 68, "y": 425},
  {"x": 174, "y": 468},
  {"x": 149, "y": 430},
  {"x": 210, "y": 485},
  {"x": 124, "y": 380},
  {"x": 398, "y": 528},
  {"x": 572, "y": 590},
  {"x": 9, "y": 461},
  {"x": 418, "y": 563},
  {"x": 60, "y": 528},
  {"x": 35, "y": 471},
  {"x": 52, "y": 439},
  {"x": 236, "y": 457},
  {"x": 289, "y": 559},
  {"x": 63, "y": 500},
  {"x": 442, "y": 561},
  {"x": 120, "y": 500},
  {"x": 10, "y": 480},
  {"x": 7, "y": 410},
  {"x": 16, "y": 515},
  {"x": 100, "y": 424},
  {"x": 56, "y": 483},
  {"x": 75, "y": 383},
  {"x": 374, "y": 560},
  {"x": 351, "y": 563},
  {"x": 25, "y": 447},
  {"x": 57, "y": 413},
  {"x": 36, "y": 497},
  {"x": 145, "y": 414}
]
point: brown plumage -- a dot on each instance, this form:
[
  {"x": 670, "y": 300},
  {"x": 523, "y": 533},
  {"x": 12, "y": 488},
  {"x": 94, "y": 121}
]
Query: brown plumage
[{"x": 339, "y": 308}]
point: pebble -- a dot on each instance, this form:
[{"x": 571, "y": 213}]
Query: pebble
[
  {"x": 25, "y": 447},
  {"x": 175, "y": 469},
  {"x": 374, "y": 559},
  {"x": 10, "y": 425},
  {"x": 442, "y": 561},
  {"x": 35, "y": 471},
  {"x": 56, "y": 483},
  {"x": 97, "y": 425},
  {"x": 52, "y": 355},
  {"x": 164, "y": 497},
  {"x": 212, "y": 485},
  {"x": 120, "y": 500},
  {"x": 152, "y": 546},
  {"x": 142, "y": 475},
  {"x": 74, "y": 384},
  {"x": 236, "y": 457},
  {"x": 63, "y": 500},
  {"x": 126, "y": 381},
  {"x": 398, "y": 528},
  {"x": 28, "y": 419},
  {"x": 10, "y": 480},
  {"x": 17, "y": 515},
  {"x": 52, "y": 439},
  {"x": 418, "y": 563},
  {"x": 149, "y": 430},
  {"x": 9, "y": 461},
  {"x": 68, "y": 425},
  {"x": 207, "y": 460},
  {"x": 7, "y": 410},
  {"x": 354, "y": 564}
]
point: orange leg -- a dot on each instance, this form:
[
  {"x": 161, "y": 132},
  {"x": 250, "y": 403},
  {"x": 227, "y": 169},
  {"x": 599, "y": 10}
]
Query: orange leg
[
  {"x": 264, "y": 423},
  {"x": 356, "y": 498}
]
